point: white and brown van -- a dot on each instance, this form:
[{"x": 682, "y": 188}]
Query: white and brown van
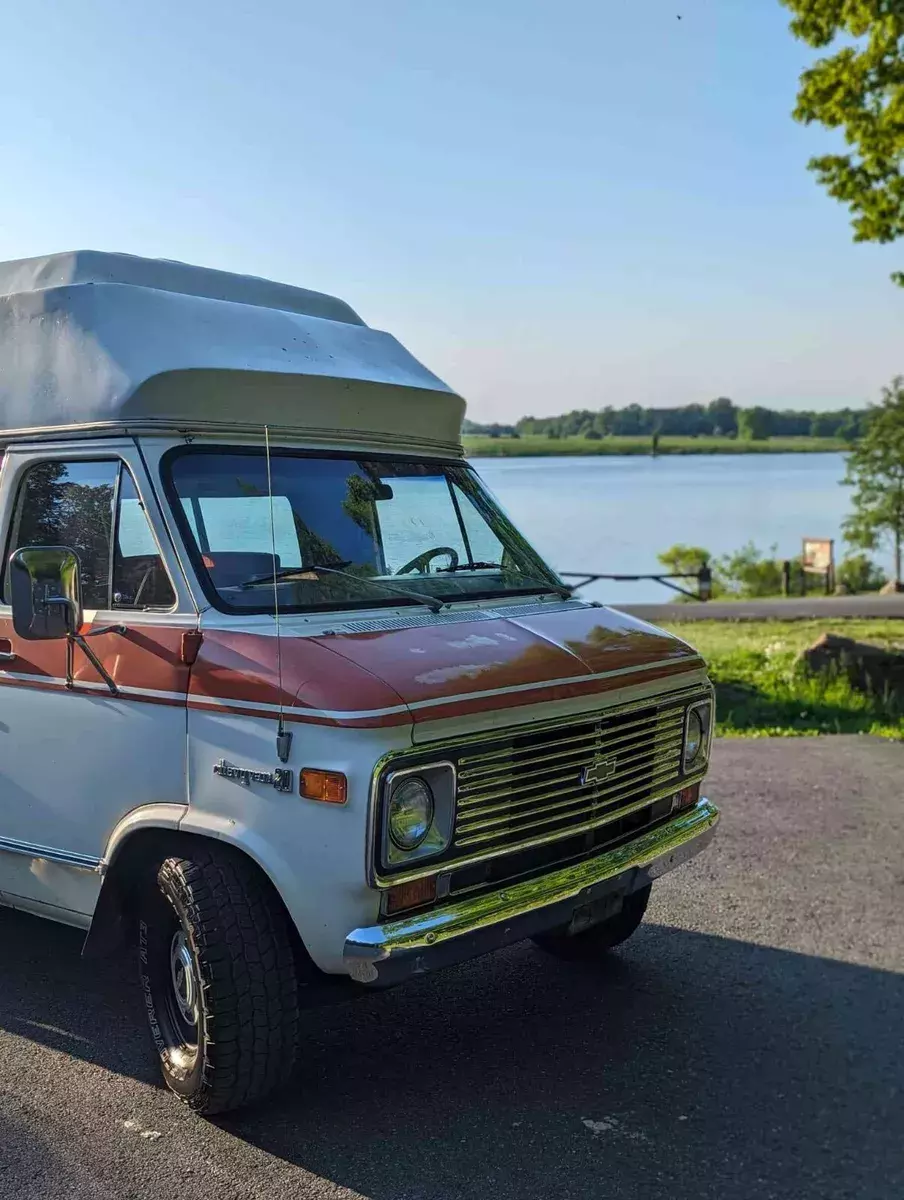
[{"x": 284, "y": 694}]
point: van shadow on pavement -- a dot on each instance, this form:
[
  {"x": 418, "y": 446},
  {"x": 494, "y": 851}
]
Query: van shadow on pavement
[{"x": 686, "y": 1066}]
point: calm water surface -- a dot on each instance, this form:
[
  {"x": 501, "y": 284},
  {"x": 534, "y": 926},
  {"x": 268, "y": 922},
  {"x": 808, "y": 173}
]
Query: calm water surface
[{"x": 615, "y": 515}]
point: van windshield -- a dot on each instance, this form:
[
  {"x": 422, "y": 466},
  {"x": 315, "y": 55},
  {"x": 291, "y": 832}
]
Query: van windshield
[{"x": 348, "y": 532}]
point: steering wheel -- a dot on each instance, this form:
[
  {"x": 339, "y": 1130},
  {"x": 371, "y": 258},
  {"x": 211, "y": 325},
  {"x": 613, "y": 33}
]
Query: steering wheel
[{"x": 422, "y": 562}]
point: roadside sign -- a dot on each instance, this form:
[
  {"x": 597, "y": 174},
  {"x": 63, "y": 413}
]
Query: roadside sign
[
  {"x": 818, "y": 558},
  {"x": 818, "y": 555}
]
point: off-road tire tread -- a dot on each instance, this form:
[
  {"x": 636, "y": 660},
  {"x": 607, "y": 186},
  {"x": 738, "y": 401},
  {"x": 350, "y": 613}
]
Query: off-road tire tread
[{"x": 241, "y": 935}]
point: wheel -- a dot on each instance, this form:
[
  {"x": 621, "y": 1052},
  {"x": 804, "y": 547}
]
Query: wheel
[
  {"x": 593, "y": 943},
  {"x": 217, "y": 966},
  {"x": 422, "y": 562}
]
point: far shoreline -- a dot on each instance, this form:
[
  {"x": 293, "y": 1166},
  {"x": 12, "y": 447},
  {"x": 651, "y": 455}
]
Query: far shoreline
[{"x": 479, "y": 446}]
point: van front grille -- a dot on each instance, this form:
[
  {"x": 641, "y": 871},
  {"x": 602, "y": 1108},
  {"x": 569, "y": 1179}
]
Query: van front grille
[{"x": 546, "y": 784}]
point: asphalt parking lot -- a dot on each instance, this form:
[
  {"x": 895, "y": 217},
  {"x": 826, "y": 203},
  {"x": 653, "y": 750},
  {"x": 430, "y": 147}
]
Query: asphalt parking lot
[{"x": 747, "y": 1043}]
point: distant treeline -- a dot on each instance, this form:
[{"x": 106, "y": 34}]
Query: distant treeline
[{"x": 720, "y": 418}]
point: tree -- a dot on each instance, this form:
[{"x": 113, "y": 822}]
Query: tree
[
  {"x": 875, "y": 470},
  {"x": 687, "y": 560},
  {"x": 602, "y": 422},
  {"x": 825, "y": 425},
  {"x": 754, "y": 424},
  {"x": 749, "y": 572},
  {"x": 858, "y": 573},
  {"x": 684, "y": 560},
  {"x": 724, "y": 416},
  {"x": 719, "y": 417},
  {"x": 858, "y": 90},
  {"x": 630, "y": 421},
  {"x": 852, "y": 426}
]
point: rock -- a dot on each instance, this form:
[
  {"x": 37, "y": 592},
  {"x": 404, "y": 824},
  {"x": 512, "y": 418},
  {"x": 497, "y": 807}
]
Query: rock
[
  {"x": 872, "y": 669},
  {"x": 891, "y": 588},
  {"x": 842, "y": 588}
]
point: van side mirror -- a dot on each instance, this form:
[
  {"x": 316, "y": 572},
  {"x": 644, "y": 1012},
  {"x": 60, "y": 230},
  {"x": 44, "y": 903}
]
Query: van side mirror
[{"x": 45, "y": 592}]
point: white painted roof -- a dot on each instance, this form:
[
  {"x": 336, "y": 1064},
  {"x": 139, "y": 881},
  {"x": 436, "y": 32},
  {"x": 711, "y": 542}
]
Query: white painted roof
[{"x": 91, "y": 341}]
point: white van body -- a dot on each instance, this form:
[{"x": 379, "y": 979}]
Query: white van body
[{"x": 123, "y": 380}]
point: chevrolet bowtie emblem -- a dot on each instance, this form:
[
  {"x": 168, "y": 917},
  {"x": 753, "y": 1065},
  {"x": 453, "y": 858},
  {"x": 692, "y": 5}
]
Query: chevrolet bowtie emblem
[{"x": 599, "y": 771}]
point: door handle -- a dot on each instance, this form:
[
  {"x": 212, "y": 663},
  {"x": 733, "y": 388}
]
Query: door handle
[{"x": 7, "y": 654}]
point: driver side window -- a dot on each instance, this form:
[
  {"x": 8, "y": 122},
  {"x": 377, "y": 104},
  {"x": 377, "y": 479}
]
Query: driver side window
[
  {"x": 93, "y": 508},
  {"x": 139, "y": 576}
]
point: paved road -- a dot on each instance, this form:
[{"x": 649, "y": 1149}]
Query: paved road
[
  {"x": 790, "y": 609},
  {"x": 746, "y": 1044}
]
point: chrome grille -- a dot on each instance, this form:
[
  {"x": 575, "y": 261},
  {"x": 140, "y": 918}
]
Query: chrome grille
[{"x": 543, "y": 784}]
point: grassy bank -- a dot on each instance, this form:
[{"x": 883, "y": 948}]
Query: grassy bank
[
  {"x": 537, "y": 446},
  {"x": 760, "y": 692}
]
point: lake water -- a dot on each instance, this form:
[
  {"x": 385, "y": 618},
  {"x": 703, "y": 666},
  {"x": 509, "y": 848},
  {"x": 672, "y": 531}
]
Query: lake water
[{"x": 614, "y": 515}]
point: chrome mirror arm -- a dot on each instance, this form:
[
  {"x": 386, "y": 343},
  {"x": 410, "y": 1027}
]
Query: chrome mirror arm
[{"x": 80, "y": 640}]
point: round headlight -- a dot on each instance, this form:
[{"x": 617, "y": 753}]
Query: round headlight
[
  {"x": 410, "y": 813},
  {"x": 693, "y": 742}
]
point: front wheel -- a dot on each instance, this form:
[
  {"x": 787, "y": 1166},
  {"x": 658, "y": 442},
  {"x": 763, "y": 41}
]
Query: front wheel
[
  {"x": 594, "y": 942},
  {"x": 217, "y": 968}
]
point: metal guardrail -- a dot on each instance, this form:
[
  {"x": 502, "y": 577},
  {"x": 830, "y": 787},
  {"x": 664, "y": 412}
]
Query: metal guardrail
[{"x": 703, "y": 576}]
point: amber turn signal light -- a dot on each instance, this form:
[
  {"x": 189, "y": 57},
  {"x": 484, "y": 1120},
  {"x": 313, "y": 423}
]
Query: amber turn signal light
[
  {"x": 411, "y": 895},
  {"x": 686, "y": 798},
  {"x": 330, "y": 787}
]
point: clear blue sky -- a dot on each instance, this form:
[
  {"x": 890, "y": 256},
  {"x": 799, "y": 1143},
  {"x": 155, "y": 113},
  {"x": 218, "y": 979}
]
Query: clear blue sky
[{"x": 555, "y": 205}]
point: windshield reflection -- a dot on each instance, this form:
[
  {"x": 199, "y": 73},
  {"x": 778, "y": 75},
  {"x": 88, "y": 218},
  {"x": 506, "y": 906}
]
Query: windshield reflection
[{"x": 345, "y": 532}]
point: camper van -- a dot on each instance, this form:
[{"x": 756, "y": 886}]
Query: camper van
[{"x": 288, "y": 704}]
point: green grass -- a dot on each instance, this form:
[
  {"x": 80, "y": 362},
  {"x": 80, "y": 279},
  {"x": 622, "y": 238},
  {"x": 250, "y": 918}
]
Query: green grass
[
  {"x": 541, "y": 446},
  {"x": 760, "y": 692}
]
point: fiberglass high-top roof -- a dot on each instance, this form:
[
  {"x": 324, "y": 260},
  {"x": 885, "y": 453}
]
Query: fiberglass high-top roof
[{"x": 96, "y": 341}]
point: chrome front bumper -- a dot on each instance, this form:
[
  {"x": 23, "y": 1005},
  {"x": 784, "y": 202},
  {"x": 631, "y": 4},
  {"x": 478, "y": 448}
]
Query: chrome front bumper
[{"x": 389, "y": 953}]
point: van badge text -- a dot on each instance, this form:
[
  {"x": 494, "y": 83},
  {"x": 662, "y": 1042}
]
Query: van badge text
[{"x": 279, "y": 779}]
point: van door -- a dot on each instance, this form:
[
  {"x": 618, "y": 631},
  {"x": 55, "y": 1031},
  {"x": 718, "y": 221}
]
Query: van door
[{"x": 74, "y": 757}]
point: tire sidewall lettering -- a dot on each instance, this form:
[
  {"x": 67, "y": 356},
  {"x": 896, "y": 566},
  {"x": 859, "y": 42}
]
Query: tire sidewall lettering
[{"x": 152, "y": 942}]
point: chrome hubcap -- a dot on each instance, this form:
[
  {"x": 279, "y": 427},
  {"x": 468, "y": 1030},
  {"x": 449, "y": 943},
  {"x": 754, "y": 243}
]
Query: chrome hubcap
[{"x": 185, "y": 987}]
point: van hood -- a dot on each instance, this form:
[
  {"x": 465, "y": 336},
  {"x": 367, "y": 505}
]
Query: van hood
[
  {"x": 450, "y": 666},
  {"x": 418, "y": 668}
]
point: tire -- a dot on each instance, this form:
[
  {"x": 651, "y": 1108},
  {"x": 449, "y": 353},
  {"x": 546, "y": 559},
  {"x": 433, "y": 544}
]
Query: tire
[
  {"x": 593, "y": 943},
  {"x": 217, "y": 967}
]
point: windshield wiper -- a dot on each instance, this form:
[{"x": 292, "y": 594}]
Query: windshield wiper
[
  {"x": 560, "y": 589},
  {"x": 287, "y": 574},
  {"x": 469, "y": 566}
]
